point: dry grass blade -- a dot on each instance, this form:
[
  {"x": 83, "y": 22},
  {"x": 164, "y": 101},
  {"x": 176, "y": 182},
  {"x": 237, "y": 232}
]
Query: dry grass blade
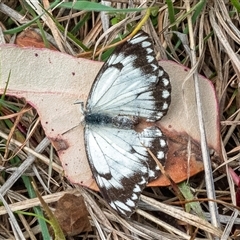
[
  {"x": 225, "y": 43},
  {"x": 13, "y": 221},
  {"x": 17, "y": 174},
  {"x": 204, "y": 146},
  {"x": 29, "y": 203},
  {"x": 183, "y": 216},
  {"x": 35, "y": 153}
]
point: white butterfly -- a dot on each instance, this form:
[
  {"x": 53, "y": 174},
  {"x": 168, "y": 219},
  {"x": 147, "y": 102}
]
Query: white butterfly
[{"x": 130, "y": 87}]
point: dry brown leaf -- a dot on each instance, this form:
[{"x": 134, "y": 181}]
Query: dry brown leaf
[
  {"x": 72, "y": 215},
  {"x": 29, "y": 38},
  {"x": 52, "y": 82}
]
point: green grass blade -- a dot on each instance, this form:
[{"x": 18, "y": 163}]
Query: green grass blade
[{"x": 96, "y": 7}]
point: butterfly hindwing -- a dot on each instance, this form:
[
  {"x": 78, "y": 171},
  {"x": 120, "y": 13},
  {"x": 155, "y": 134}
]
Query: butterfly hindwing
[{"x": 121, "y": 163}]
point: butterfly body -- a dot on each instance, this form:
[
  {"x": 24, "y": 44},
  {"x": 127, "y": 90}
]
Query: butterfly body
[
  {"x": 98, "y": 119},
  {"x": 129, "y": 87},
  {"x": 124, "y": 122}
]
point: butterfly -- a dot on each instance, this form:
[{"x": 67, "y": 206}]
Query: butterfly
[{"x": 129, "y": 88}]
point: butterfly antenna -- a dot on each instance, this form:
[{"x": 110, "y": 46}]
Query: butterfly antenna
[{"x": 82, "y": 110}]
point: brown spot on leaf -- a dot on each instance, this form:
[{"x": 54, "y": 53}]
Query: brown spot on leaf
[{"x": 60, "y": 144}]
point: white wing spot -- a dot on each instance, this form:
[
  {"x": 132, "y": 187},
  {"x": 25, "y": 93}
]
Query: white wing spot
[
  {"x": 130, "y": 203},
  {"x": 159, "y": 115},
  {"x": 160, "y": 155},
  {"x": 160, "y": 73},
  {"x": 134, "y": 196},
  {"x": 122, "y": 206},
  {"x": 149, "y": 50},
  {"x": 146, "y": 44},
  {"x": 165, "y": 82},
  {"x": 113, "y": 205},
  {"x": 143, "y": 181},
  {"x": 163, "y": 143},
  {"x": 157, "y": 168},
  {"x": 150, "y": 59},
  {"x": 136, "y": 189},
  {"x": 137, "y": 39},
  {"x": 165, "y": 93},
  {"x": 154, "y": 66},
  {"x": 151, "y": 173},
  {"x": 165, "y": 106}
]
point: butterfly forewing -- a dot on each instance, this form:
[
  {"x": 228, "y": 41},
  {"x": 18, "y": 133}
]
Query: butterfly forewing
[
  {"x": 130, "y": 86},
  {"x": 131, "y": 82}
]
